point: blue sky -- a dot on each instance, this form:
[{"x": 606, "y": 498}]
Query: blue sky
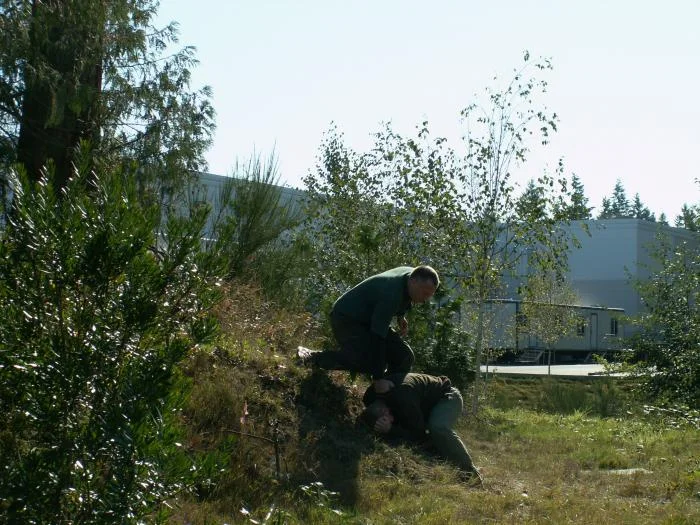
[{"x": 626, "y": 80}]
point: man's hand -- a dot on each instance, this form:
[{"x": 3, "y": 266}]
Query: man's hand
[
  {"x": 382, "y": 425},
  {"x": 403, "y": 326},
  {"x": 382, "y": 386}
]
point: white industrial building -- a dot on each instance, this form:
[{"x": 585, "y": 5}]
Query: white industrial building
[{"x": 613, "y": 253}]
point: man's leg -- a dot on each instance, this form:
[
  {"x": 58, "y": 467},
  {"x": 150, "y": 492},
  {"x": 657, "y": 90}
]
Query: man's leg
[
  {"x": 399, "y": 356},
  {"x": 349, "y": 357},
  {"x": 354, "y": 352},
  {"x": 441, "y": 422}
]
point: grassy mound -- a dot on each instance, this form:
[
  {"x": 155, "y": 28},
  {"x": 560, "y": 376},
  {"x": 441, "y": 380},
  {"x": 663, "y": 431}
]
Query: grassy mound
[{"x": 281, "y": 444}]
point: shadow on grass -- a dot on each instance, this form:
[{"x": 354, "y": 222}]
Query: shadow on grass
[{"x": 332, "y": 442}]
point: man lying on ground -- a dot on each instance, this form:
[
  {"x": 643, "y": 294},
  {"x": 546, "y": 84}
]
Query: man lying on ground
[{"x": 419, "y": 408}]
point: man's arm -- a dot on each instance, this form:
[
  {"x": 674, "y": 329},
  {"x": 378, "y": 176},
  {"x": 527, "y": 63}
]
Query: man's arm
[
  {"x": 382, "y": 386},
  {"x": 395, "y": 431},
  {"x": 403, "y": 325}
]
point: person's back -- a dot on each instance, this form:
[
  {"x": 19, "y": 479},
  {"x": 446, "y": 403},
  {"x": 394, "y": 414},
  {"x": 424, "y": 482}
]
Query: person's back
[
  {"x": 377, "y": 299},
  {"x": 412, "y": 400},
  {"x": 361, "y": 323}
]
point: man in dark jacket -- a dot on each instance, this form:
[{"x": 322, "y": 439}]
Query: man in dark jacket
[
  {"x": 361, "y": 320},
  {"x": 421, "y": 408}
]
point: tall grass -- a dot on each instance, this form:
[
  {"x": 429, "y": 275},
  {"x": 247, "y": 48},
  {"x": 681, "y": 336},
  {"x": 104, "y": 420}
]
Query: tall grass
[{"x": 601, "y": 397}]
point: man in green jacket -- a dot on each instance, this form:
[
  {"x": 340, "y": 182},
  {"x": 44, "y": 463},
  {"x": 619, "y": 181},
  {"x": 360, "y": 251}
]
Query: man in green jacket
[
  {"x": 361, "y": 320},
  {"x": 421, "y": 408}
]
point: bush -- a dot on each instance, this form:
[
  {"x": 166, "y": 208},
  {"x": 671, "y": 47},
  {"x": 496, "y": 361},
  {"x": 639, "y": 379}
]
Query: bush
[
  {"x": 92, "y": 326},
  {"x": 667, "y": 342},
  {"x": 601, "y": 397},
  {"x": 440, "y": 345}
]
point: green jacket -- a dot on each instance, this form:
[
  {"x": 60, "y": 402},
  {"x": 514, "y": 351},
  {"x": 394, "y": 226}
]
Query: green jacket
[
  {"x": 376, "y": 300},
  {"x": 411, "y": 401}
]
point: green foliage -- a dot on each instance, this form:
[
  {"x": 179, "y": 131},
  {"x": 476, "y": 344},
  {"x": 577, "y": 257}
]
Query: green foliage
[
  {"x": 251, "y": 215},
  {"x": 441, "y": 346},
  {"x": 496, "y": 231},
  {"x": 532, "y": 205},
  {"x": 600, "y": 398},
  {"x": 352, "y": 229},
  {"x": 577, "y": 206},
  {"x": 548, "y": 308},
  {"x": 640, "y": 211},
  {"x": 542, "y": 457},
  {"x": 618, "y": 206},
  {"x": 674, "y": 417},
  {"x": 689, "y": 218},
  {"x": 597, "y": 397},
  {"x": 412, "y": 199},
  {"x": 79, "y": 70},
  {"x": 93, "y": 327},
  {"x": 668, "y": 338}
]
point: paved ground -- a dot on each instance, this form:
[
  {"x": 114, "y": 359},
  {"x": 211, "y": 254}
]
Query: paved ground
[{"x": 541, "y": 370}]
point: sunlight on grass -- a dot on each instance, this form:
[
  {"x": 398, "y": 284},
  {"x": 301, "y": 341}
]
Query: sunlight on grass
[
  {"x": 550, "y": 451},
  {"x": 555, "y": 469}
]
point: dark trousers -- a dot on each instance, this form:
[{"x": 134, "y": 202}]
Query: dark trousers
[{"x": 358, "y": 349}]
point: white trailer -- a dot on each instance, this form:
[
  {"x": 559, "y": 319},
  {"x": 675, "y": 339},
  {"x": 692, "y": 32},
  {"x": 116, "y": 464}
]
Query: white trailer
[{"x": 599, "y": 330}]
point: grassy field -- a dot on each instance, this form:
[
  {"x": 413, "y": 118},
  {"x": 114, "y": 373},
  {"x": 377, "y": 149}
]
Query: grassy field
[{"x": 283, "y": 446}]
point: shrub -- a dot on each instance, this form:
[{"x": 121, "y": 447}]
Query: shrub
[
  {"x": 92, "y": 326},
  {"x": 667, "y": 343},
  {"x": 441, "y": 346}
]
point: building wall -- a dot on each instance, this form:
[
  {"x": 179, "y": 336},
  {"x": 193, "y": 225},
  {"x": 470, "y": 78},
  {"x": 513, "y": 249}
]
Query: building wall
[
  {"x": 208, "y": 188},
  {"x": 616, "y": 251}
]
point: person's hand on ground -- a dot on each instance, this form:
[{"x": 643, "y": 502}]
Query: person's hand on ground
[
  {"x": 382, "y": 386},
  {"x": 383, "y": 425}
]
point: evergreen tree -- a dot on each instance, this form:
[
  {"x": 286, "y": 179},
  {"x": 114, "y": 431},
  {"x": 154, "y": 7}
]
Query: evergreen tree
[
  {"x": 617, "y": 207},
  {"x": 640, "y": 211},
  {"x": 605, "y": 211},
  {"x": 92, "y": 328},
  {"x": 82, "y": 70},
  {"x": 577, "y": 207},
  {"x": 532, "y": 204},
  {"x": 689, "y": 218}
]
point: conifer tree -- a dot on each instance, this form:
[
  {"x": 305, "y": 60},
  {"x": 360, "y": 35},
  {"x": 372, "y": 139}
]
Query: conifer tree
[
  {"x": 577, "y": 206},
  {"x": 74, "y": 71},
  {"x": 640, "y": 211}
]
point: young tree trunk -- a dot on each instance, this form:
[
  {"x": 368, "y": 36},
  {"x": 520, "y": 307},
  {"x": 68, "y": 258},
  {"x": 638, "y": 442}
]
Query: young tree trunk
[{"x": 478, "y": 351}]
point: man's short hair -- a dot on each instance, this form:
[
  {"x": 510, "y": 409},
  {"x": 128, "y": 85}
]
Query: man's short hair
[
  {"x": 426, "y": 273},
  {"x": 372, "y": 412}
]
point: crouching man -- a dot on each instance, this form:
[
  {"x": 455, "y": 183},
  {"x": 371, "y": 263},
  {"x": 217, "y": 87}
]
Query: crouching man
[{"x": 419, "y": 408}]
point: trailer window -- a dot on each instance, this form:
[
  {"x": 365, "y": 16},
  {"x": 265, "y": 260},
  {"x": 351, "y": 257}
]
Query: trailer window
[
  {"x": 613, "y": 326},
  {"x": 581, "y": 327}
]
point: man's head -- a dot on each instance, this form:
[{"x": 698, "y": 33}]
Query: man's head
[
  {"x": 378, "y": 416},
  {"x": 422, "y": 284}
]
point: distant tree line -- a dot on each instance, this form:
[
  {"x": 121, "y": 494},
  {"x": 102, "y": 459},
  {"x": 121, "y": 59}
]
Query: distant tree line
[{"x": 616, "y": 206}]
